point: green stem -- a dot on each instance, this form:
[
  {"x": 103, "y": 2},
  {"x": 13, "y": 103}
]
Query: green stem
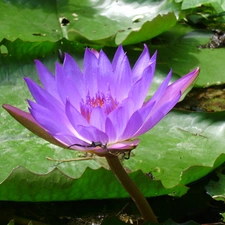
[{"x": 131, "y": 188}]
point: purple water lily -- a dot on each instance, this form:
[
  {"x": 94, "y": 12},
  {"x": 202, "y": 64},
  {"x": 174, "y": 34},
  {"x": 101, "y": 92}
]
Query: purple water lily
[{"x": 103, "y": 105}]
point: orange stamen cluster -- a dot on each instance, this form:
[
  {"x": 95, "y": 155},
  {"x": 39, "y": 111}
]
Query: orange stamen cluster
[{"x": 104, "y": 101}]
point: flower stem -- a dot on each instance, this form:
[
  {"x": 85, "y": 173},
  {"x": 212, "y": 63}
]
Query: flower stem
[{"x": 131, "y": 188}]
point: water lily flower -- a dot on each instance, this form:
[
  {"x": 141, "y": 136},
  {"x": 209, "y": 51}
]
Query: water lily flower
[{"x": 101, "y": 108}]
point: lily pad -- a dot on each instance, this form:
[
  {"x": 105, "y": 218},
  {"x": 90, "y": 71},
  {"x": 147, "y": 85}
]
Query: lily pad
[
  {"x": 187, "y": 4},
  {"x": 106, "y": 23},
  {"x": 179, "y": 49},
  {"x": 182, "y": 148}
]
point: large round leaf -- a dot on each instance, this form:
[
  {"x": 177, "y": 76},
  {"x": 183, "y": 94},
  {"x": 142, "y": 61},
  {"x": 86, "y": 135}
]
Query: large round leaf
[
  {"x": 104, "y": 22},
  {"x": 180, "y": 49},
  {"x": 182, "y": 148}
]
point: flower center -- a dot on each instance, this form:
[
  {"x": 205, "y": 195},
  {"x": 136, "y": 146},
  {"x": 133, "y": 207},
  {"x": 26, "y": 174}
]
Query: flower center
[{"x": 102, "y": 100}]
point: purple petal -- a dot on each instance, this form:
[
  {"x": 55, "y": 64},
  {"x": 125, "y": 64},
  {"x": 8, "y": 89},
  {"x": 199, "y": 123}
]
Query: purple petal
[
  {"x": 123, "y": 82},
  {"x": 136, "y": 121},
  {"x": 106, "y": 77},
  {"x": 42, "y": 97},
  {"x": 92, "y": 134},
  {"x": 122, "y": 71},
  {"x": 67, "y": 88},
  {"x": 128, "y": 105},
  {"x": 158, "y": 114},
  {"x": 118, "y": 57},
  {"x": 175, "y": 88},
  {"x": 73, "y": 71},
  {"x": 184, "y": 82},
  {"x": 140, "y": 89},
  {"x": 74, "y": 116},
  {"x": 142, "y": 62},
  {"x": 80, "y": 124},
  {"x": 47, "y": 79},
  {"x": 119, "y": 118},
  {"x": 48, "y": 118},
  {"x": 90, "y": 72},
  {"x": 46, "y": 121},
  {"x": 164, "y": 100},
  {"x": 161, "y": 89},
  {"x": 98, "y": 118},
  {"x": 110, "y": 130}
]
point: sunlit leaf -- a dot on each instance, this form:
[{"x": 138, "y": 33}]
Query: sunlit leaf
[
  {"x": 186, "y": 4},
  {"x": 180, "y": 50},
  {"x": 106, "y": 23},
  {"x": 182, "y": 148}
]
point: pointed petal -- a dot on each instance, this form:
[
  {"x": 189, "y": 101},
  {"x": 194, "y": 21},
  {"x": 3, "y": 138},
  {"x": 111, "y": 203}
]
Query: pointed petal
[
  {"x": 161, "y": 89},
  {"x": 175, "y": 88},
  {"x": 67, "y": 88},
  {"x": 123, "y": 81},
  {"x": 184, "y": 82},
  {"x": 74, "y": 116},
  {"x": 118, "y": 57},
  {"x": 143, "y": 61},
  {"x": 42, "y": 97},
  {"x": 47, "y": 79},
  {"x": 122, "y": 73},
  {"x": 165, "y": 98},
  {"x": 29, "y": 122},
  {"x": 73, "y": 71},
  {"x": 140, "y": 89},
  {"x": 106, "y": 77},
  {"x": 157, "y": 115},
  {"x": 90, "y": 72}
]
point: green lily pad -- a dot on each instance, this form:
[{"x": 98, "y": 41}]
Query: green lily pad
[
  {"x": 106, "y": 23},
  {"x": 187, "y": 4},
  {"x": 180, "y": 149},
  {"x": 179, "y": 49}
]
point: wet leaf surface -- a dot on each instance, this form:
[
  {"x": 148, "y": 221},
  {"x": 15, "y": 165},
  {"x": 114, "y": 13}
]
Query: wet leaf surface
[{"x": 89, "y": 22}]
